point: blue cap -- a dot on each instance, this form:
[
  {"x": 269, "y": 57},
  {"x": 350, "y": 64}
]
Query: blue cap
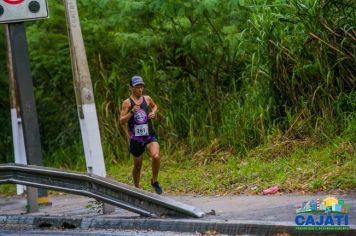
[{"x": 136, "y": 80}]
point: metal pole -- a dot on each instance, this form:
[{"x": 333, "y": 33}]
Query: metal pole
[
  {"x": 84, "y": 96},
  {"x": 17, "y": 132},
  {"x": 22, "y": 72}
]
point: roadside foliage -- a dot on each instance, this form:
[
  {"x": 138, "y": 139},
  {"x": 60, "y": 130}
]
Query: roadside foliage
[{"x": 229, "y": 76}]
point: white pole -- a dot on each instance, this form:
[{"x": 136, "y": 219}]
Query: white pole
[
  {"x": 84, "y": 93},
  {"x": 85, "y": 97}
]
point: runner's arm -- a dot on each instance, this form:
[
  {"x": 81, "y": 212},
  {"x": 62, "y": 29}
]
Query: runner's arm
[
  {"x": 153, "y": 106},
  {"x": 125, "y": 114}
]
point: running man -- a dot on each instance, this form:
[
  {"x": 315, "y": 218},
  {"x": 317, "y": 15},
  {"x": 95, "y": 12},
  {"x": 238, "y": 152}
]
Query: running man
[{"x": 137, "y": 111}]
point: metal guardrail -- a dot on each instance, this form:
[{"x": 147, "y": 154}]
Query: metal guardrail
[{"x": 103, "y": 189}]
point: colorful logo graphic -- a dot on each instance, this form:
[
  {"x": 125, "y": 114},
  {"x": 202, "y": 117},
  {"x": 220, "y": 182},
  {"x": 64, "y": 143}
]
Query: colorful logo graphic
[
  {"x": 329, "y": 214},
  {"x": 140, "y": 117},
  {"x": 328, "y": 205}
]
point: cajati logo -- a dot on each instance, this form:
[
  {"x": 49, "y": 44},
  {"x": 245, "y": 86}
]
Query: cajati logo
[
  {"x": 14, "y": 2},
  {"x": 329, "y": 214}
]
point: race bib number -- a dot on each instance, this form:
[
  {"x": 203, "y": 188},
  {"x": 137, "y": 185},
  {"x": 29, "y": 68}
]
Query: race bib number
[{"x": 141, "y": 130}]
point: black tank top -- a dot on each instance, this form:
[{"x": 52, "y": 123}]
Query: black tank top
[{"x": 140, "y": 118}]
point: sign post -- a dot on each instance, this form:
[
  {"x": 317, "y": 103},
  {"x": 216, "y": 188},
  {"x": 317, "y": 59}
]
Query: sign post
[
  {"x": 14, "y": 13},
  {"x": 85, "y": 96},
  {"x": 17, "y": 131}
]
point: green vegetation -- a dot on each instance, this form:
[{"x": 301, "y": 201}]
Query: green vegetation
[
  {"x": 293, "y": 166},
  {"x": 252, "y": 93}
]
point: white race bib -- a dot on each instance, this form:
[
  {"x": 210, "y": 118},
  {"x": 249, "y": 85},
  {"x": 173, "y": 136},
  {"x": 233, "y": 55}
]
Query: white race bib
[{"x": 141, "y": 130}]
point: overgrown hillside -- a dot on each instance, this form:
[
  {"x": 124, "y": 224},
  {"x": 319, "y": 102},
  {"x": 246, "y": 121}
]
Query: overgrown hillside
[{"x": 251, "y": 92}]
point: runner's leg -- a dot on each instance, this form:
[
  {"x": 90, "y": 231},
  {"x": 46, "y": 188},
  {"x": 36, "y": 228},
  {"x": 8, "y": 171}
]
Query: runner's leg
[
  {"x": 136, "y": 171},
  {"x": 153, "y": 148}
]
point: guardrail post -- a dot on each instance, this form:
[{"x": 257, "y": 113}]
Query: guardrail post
[{"x": 32, "y": 196}]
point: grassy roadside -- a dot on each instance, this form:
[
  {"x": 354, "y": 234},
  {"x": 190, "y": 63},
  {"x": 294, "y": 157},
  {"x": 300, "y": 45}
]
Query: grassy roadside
[
  {"x": 293, "y": 165},
  {"x": 299, "y": 165}
]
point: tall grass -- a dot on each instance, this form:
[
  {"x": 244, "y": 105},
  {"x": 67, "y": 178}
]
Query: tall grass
[
  {"x": 225, "y": 74},
  {"x": 281, "y": 67}
]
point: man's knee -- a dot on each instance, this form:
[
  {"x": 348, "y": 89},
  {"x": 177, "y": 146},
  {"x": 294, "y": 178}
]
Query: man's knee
[{"x": 156, "y": 156}]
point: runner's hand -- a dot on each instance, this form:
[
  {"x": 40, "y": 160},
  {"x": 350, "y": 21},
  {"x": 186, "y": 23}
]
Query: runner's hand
[
  {"x": 136, "y": 108},
  {"x": 151, "y": 115}
]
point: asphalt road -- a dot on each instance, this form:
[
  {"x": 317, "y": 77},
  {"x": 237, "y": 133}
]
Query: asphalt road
[
  {"x": 231, "y": 212},
  {"x": 14, "y": 231},
  {"x": 278, "y": 207}
]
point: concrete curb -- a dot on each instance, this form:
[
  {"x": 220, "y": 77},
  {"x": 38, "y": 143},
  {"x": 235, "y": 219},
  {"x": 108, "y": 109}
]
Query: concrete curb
[{"x": 175, "y": 225}]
